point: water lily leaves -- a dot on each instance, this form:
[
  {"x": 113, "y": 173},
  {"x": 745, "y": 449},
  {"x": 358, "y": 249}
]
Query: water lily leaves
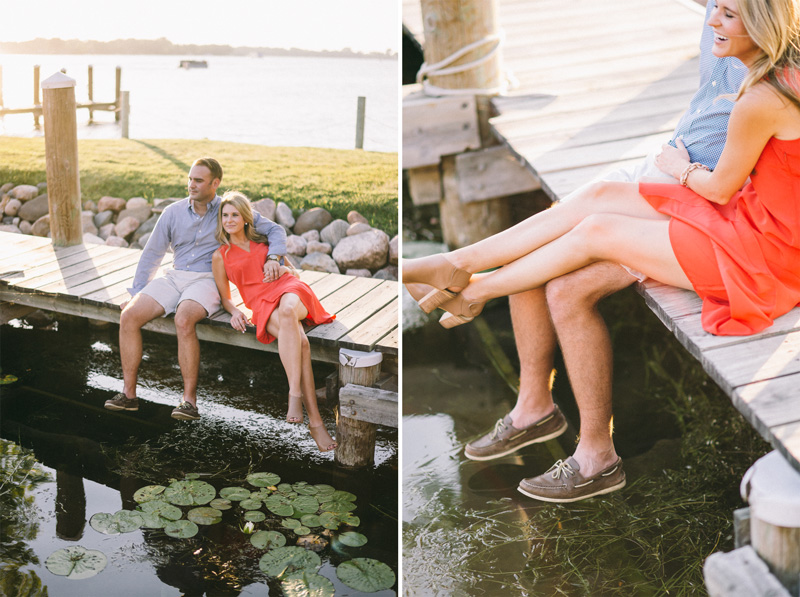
[
  {"x": 148, "y": 493},
  {"x": 261, "y": 494},
  {"x": 352, "y": 539},
  {"x": 366, "y": 574},
  {"x": 285, "y": 488},
  {"x": 306, "y": 584},
  {"x": 279, "y": 505},
  {"x": 344, "y": 496},
  {"x": 304, "y": 488},
  {"x": 329, "y": 520},
  {"x": 234, "y": 494},
  {"x": 181, "y": 529},
  {"x": 267, "y": 539},
  {"x": 76, "y": 562},
  {"x": 190, "y": 493},
  {"x": 302, "y": 530},
  {"x": 338, "y": 506},
  {"x": 204, "y": 515},
  {"x": 322, "y": 488},
  {"x": 291, "y": 523},
  {"x": 263, "y": 479},
  {"x": 124, "y": 521},
  {"x": 250, "y": 504},
  {"x": 349, "y": 519},
  {"x": 254, "y": 515},
  {"x": 281, "y": 510},
  {"x": 221, "y": 504},
  {"x": 286, "y": 560},
  {"x": 156, "y": 514},
  {"x": 311, "y": 520},
  {"x": 306, "y": 504}
]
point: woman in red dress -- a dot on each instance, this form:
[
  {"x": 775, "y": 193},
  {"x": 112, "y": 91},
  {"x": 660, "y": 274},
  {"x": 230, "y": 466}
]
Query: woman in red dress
[
  {"x": 737, "y": 246},
  {"x": 279, "y": 308}
]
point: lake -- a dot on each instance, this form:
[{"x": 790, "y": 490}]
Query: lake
[{"x": 274, "y": 101}]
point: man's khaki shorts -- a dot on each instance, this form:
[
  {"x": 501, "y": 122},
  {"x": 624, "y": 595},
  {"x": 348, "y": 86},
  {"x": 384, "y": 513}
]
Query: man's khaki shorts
[{"x": 179, "y": 285}]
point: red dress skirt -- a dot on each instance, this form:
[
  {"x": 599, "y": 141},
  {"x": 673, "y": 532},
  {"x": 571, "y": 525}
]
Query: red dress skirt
[
  {"x": 246, "y": 271},
  {"x": 743, "y": 258}
]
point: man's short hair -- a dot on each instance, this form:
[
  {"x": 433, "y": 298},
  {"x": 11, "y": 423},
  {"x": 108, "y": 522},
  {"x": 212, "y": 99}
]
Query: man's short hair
[{"x": 212, "y": 165}]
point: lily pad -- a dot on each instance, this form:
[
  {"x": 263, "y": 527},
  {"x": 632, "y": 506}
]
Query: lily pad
[
  {"x": 148, "y": 493},
  {"x": 181, "y": 529},
  {"x": 283, "y": 510},
  {"x": 344, "y": 496},
  {"x": 366, "y": 574},
  {"x": 285, "y": 488},
  {"x": 304, "y": 488},
  {"x": 311, "y": 520},
  {"x": 302, "y": 530},
  {"x": 234, "y": 494},
  {"x": 267, "y": 539},
  {"x": 220, "y": 504},
  {"x": 349, "y": 519},
  {"x": 157, "y": 514},
  {"x": 190, "y": 493},
  {"x": 329, "y": 520},
  {"x": 352, "y": 539},
  {"x": 8, "y": 379},
  {"x": 254, "y": 515},
  {"x": 291, "y": 523},
  {"x": 76, "y": 562},
  {"x": 338, "y": 506},
  {"x": 307, "y": 504},
  {"x": 204, "y": 515},
  {"x": 263, "y": 479},
  {"x": 250, "y": 504},
  {"x": 191, "y": 476},
  {"x": 306, "y": 584},
  {"x": 124, "y": 521},
  {"x": 286, "y": 560},
  {"x": 261, "y": 494},
  {"x": 321, "y": 487}
]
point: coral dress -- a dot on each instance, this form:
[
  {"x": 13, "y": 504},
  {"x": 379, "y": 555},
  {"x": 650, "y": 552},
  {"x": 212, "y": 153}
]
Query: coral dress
[
  {"x": 246, "y": 270},
  {"x": 743, "y": 258}
]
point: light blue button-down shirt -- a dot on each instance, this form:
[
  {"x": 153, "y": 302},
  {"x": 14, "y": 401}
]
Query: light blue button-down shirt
[
  {"x": 191, "y": 237},
  {"x": 704, "y": 125}
]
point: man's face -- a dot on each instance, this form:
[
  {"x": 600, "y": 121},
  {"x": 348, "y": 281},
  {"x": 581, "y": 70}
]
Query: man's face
[{"x": 202, "y": 187}]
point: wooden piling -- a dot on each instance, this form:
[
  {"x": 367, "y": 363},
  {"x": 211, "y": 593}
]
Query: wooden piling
[
  {"x": 61, "y": 155},
  {"x": 91, "y": 93},
  {"x": 117, "y": 93},
  {"x": 362, "y": 105},
  {"x": 36, "y": 101},
  {"x": 356, "y": 438},
  {"x": 124, "y": 111}
]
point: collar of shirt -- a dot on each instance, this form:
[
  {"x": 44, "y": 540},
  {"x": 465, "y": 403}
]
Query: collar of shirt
[{"x": 212, "y": 205}]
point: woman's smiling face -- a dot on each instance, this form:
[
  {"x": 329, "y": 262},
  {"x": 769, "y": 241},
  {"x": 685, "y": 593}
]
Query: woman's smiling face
[
  {"x": 232, "y": 220},
  {"x": 730, "y": 36}
]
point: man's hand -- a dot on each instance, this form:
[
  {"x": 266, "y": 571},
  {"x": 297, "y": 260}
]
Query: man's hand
[
  {"x": 123, "y": 305},
  {"x": 272, "y": 270}
]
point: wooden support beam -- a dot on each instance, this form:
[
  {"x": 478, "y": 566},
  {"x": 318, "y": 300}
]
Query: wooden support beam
[
  {"x": 492, "y": 173},
  {"x": 437, "y": 126},
  {"x": 9, "y": 311},
  {"x": 118, "y": 92},
  {"x": 368, "y": 404},
  {"x": 425, "y": 185},
  {"x": 740, "y": 573}
]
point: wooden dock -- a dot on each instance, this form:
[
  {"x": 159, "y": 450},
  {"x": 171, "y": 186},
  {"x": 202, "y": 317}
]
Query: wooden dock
[
  {"x": 601, "y": 84},
  {"x": 91, "y": 281}
]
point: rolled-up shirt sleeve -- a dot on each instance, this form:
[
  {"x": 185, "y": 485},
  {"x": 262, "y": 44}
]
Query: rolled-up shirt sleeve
[
  {"x": 152, "y": 254},
  {"x": 276, "y": 235}
]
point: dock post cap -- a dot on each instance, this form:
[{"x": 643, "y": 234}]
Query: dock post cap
[
  {"x": 58, "y": 80},
  {"x": 772, "y": 488},
  {"x": 359, "y": 358}
]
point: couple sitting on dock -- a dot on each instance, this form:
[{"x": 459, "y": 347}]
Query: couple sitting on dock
[
  {"x": 726, "y": 224},
  {"x": 216, "y": 239}
]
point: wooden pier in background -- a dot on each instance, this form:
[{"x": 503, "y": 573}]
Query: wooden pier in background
[{"x": 91, "y": 281}]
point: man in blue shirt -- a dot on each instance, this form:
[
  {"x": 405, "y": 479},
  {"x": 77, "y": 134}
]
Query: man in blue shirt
[
  {"x": 188, "y": 289},
  {"x": 565, "y": 312}
]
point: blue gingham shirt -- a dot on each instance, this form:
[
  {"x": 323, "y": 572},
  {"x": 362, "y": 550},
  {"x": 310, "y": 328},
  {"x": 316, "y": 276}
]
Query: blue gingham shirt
[
  {"x": 704, "y": 125},
  {"x": 191, "y": 237}
]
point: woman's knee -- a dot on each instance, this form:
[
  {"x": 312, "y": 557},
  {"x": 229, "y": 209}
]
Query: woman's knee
[{"x": 304, "y": 344}]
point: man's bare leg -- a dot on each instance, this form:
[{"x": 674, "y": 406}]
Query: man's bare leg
[
  {"x": 188, "y": 314},
  {"x": 140, "y": 310},
  {"x": 586, "y": 346}
]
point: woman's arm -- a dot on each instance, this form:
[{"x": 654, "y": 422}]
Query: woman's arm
[
  {"x": 754, "y": 120},
  {"x": 238, "y": 319}
]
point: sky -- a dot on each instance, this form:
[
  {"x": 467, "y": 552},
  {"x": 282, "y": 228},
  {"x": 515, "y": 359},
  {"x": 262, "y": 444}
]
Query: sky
[{"x": 362, "y": 25}]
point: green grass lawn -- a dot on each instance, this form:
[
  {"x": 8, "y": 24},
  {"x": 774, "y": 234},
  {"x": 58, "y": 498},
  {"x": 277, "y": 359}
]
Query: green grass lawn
[{"x": 303, "y": 177}]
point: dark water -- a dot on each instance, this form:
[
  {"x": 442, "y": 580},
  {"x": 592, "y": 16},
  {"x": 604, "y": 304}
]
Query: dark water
[
  {"x": 467, "y": 531},
  {"x": 96, "y": 459}
]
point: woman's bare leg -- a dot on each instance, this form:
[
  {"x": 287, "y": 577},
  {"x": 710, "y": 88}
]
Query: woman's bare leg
[
  {"x": 284, "y": 324},
  {"x": 603, "y": 197}
]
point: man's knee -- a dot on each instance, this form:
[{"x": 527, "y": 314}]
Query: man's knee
[
  {"x": 580, "y": 291},
  {"x": 138, "y": 312},
  {"x": 188, "y": 314}
]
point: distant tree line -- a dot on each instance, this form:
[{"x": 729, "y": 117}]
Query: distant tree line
[{"x": 164, "y": 46}]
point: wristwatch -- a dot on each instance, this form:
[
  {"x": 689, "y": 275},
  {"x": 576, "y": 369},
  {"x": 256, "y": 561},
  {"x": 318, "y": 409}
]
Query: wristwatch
[{"x": 273, "y": 258}]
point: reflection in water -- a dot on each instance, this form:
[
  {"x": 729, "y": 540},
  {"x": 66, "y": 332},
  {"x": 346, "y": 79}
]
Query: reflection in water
[{"x": 99, "y": 458}]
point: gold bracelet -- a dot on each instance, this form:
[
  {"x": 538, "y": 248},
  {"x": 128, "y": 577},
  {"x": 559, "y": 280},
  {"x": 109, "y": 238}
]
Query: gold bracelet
[{"x": 684, "y": 180}]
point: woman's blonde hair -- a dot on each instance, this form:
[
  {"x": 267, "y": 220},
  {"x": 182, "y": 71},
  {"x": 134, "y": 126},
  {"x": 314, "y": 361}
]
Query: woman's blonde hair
[
  {"x": 774, "y": 26},
  {"x": 242, "y": 205}
]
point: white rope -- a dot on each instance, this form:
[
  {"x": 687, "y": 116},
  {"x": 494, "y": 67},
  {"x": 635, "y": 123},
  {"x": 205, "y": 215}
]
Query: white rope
[{"x": 443, "y": 68}]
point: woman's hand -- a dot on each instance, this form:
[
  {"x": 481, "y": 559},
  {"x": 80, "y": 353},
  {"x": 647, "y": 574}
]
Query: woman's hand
[
  {"x": 239, "y": 321},
  {"x": 673, "y": 160}
]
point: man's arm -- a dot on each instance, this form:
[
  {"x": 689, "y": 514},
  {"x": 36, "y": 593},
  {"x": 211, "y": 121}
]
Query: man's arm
[
  {"x": 153, "y": 253},
  {"x": 276, "y": 236}
]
